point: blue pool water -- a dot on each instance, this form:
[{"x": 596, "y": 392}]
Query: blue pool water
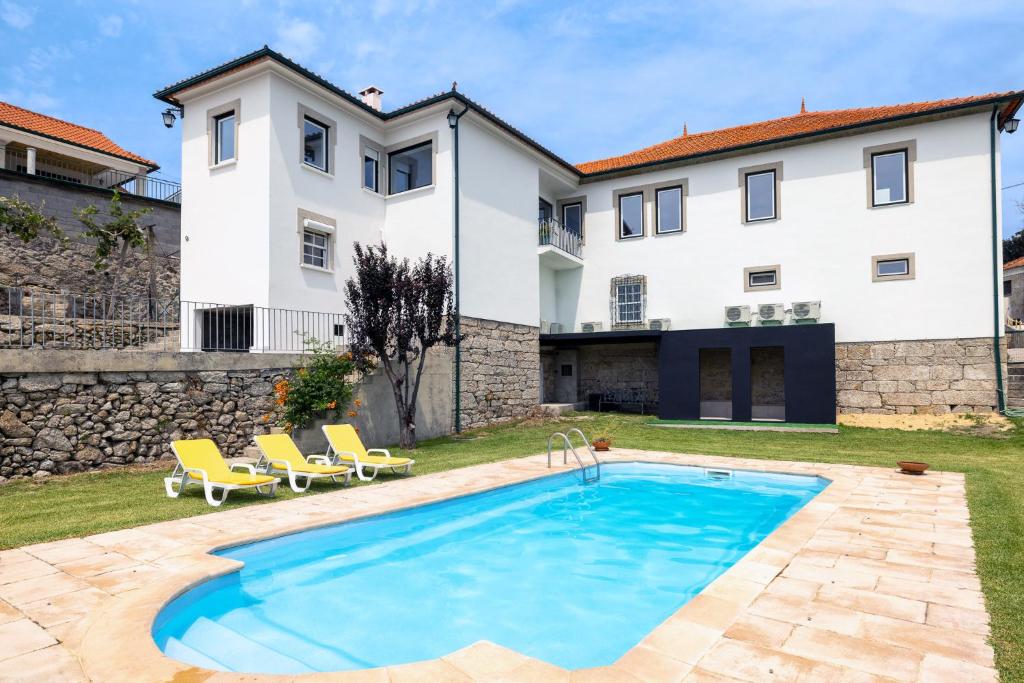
[{"x": 574, "y": 574}]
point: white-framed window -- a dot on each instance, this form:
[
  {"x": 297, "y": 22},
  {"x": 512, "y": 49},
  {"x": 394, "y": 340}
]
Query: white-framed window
[
  {"x": 314, "y": 143},
  {"x": 631, "y": 215},
  {"x": 762, "y": 278},
  {"x": 411, "y": 168},
  {"x": 628, "y": 300},
  {"x": 224, "y": 137},
  {"x": 371, "y": 169},
  {"x": 668, "y": 209},
  {"x": 572, "y": 217},
  {"x": 760, "y": 196},
  {"x": 889, "y": 178},
  {"x": 316, "y": 249}
]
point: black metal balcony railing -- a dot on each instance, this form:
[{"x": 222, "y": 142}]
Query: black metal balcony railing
[
  {"x": 552, "y": 232},
  {"x": 109, "y": 179}
]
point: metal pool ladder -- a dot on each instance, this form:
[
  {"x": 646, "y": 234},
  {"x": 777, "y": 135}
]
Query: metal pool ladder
[{"x": 567, "y": 446}]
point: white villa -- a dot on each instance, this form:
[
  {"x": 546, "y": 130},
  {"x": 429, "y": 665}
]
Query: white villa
[{"x": 783, "y": 269}]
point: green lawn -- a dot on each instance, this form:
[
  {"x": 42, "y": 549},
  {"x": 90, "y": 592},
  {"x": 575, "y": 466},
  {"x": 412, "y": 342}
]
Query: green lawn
[{"x": 31, "y": 512}]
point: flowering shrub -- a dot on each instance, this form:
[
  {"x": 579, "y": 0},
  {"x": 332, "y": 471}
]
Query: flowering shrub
[{"x": 321, "y": 385}]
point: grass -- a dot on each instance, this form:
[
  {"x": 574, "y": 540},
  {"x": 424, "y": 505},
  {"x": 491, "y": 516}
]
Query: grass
[
  {"x": 82, "y": 504},
  {"x": 762, "y": 424}
]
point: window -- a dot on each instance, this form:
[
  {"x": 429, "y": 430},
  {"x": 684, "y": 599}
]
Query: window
[
  {"x": 760, "y": 191},
  {"x": 315, "y": 250},
  {"x": 628, "y": 301},
  {"x": 314, "y": 143},
  {"x": 371, "y": 169},
  {"x": 631, "y": 215},
  {"x": 572, "y": 217},
  {"x": 668, "y": 203},
  {"x": 757, "y": 278},
  {"x": 411, "y": 168},
  {"x": 1007, "y": 287},
  {"x": 892, "y": 267},
  {"x": 544, "y": 209},
  {"x": 339, "y": 330},
  {"x": 224, "y": 137},
  {"x": 889, "y": 178},
  {"x": 566, "y": 370}
]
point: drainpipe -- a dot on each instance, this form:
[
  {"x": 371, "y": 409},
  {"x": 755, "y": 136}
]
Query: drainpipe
[
  {"x": 996, "y": 266},
  {"x": 453, "y": 123}
]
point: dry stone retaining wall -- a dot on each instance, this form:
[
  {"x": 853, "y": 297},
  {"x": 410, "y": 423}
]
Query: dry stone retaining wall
[
  {"x": 608, "y": 367},
  {"x": 936, "y": 376},
  {"x": 500, "y": 371}
]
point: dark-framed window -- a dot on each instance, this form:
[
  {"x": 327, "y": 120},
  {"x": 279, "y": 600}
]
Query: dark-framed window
[
  {"x": 668, "y": 209},
  {"x": 315, "y": 137},
  {"x": 572, "y": 217},
  {"x": 411, "y": 168},
  {"x": 631, "y": 215},
  {"x": 371, "y": 169},
  {"x": 762, "y": 278},
  {"x": 897, "y": 267},
  {"x": 889, "y": 173},
  {"x": 761, "y": 198},
  {"x": 544, "y": 209},
  {"x": 566, "y": 370},
  {"x": 224, "y": 137}
]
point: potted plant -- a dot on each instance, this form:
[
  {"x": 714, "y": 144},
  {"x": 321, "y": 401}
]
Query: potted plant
[{"x": 602, "y": 443}]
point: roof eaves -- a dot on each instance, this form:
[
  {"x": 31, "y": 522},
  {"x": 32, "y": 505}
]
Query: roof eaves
[
  {"x": 1015, "y": 98},
  {"x": 152, "y": 165}
]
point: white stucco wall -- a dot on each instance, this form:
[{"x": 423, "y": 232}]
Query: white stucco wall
[{"x": 824, "y": 240}]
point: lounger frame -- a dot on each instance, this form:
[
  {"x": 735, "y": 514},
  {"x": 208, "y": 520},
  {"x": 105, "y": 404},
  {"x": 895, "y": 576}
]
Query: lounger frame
[
  {"x": 183, "y": 476},
  {"x": 265, "y": 464}
]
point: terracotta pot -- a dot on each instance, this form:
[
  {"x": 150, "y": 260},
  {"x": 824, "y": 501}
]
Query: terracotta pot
[
  {"x": 912, "y": 467},
  {"x": 602, "y": 445}
]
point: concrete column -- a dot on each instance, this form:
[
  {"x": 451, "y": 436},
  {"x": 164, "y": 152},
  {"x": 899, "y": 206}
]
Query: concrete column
[
  {"x": 3, "y": 154},
  {"x": 140, "y": 184},
  {"x": 30, "y": 164}
]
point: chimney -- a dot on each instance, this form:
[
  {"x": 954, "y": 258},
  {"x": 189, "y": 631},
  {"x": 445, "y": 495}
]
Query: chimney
[{"x": 371, "y": 96}]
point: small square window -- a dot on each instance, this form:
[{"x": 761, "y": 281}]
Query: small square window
[
  {"x": 566, "y": 370},
  {"x": 760, "y": 189},
  {"x": 339, "y": 330},
  {"x": 889, "y": 178},
  {"x": 224, "y": 137},
  {"x": 669, "y": 210},
  {"x": 371, "y": 170},
  {"x": 315, "y": 249},
  {"x": 411, "y": 168},
  {"x": 631, "y": 215},
  {"x": 314, "y": 141},
  {"x": 762, "y": 278}
]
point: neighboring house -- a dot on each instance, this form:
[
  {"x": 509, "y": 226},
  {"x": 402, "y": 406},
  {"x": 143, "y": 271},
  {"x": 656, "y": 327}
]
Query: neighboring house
[
  {"x": 1013, "y": 292},
  {"x": 647, "y": 281},
  {"x": 65, "y": 167}
]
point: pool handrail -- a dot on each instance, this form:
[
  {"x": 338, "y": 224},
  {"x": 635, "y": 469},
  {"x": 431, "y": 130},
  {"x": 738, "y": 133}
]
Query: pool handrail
[{"x": 567, "y": 446}]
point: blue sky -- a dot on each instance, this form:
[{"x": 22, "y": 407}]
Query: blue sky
[{"x": 586, "y": 79}]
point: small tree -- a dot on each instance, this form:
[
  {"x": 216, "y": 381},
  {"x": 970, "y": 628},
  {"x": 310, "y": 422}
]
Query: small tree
[
  {"x": 119, "y": 235},
  {"x": 322, "y": 384},
  {"x": 26, "y": 222},
  {"x": 396, "y": 312}
]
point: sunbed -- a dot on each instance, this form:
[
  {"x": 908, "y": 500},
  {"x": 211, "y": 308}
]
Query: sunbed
[
  {"x": 279, "y": 454},
  {"x": 345, "y": 447},
  {"x": 200, "y": 462}
]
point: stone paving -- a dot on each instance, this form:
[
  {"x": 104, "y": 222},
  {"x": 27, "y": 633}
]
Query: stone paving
[{"x": 873, "y": 580}]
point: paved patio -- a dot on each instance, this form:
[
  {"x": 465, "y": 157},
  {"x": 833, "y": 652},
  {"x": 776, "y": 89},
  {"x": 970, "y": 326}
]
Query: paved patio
[{"x": 873, "y": 580}]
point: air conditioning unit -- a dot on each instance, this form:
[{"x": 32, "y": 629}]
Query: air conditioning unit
[
  {"x": 659, "y": 323},
  {"x": 737, "y": 316},
  {"x": 545, "y": 327},
  {"x": 591, "y": 327},
  {"x": 771, "y": 314},
  {"x": 556, "y": 328},
  {"x": 806, "y": 311}
]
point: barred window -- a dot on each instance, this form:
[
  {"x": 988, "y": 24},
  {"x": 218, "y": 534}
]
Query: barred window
[
  {"x": 314, "y": 249},
  {"x": 628, "y": 300}
]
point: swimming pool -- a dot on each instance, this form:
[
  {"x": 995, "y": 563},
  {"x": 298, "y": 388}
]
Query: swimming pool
[{"x": 573, "y": 574}]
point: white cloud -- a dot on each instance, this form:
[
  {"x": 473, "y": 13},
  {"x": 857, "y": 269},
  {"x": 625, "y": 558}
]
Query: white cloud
[
  {"x": 298, "y": 39},
  {"x": 111, "y": 26},
  {"x": 36, "y": 101},
  {"x": 15, "y": 15}
]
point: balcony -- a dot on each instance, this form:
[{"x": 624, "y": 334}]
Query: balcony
[
  {"x": 79, "y": 172},
  {"x": 558, "y": 248}
]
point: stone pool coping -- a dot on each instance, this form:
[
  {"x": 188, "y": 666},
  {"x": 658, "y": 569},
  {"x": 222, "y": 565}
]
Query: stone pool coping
[{"x": 873, "y": 579}]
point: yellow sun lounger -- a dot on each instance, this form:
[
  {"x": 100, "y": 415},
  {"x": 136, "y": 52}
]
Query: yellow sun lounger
[
  {"x": 347, "y": 448},
  {"x": 280, "y": 454},
  {"x": 199, "y": 462}
]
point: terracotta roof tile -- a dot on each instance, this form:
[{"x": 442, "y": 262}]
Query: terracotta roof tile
[
  {"x": 695, "y": 144},
  {"x": 67, "y": 132},
  {"x": 1015, "y": 263}
]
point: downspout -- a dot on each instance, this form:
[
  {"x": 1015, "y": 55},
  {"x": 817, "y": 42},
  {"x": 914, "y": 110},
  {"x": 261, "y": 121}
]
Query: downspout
[
  {"x": 996, "y": 266},
  {"x": 453, "y": 123}
]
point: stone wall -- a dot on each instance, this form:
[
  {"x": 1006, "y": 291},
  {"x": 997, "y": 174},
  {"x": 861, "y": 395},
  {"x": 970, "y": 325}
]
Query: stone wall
[
  {"x": 45, "y": 264},
  {"x": 606, "y": 367},
  {"x": 500, "y": 371},
  {"x": 938, "y": 376}
]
